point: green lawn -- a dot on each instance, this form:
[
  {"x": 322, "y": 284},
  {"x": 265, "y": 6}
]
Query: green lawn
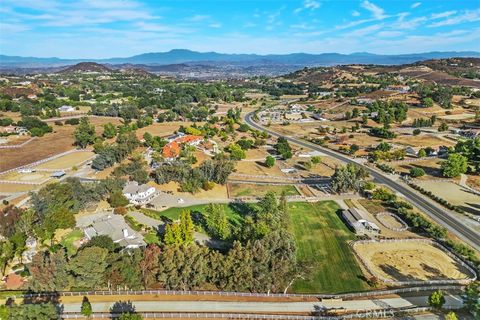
[
  {"x": 254, "y": 190},
  {"x": 69, "y": 239},
  {"x": 233, "y": 211},
  {"x": 322, "y": 249}
]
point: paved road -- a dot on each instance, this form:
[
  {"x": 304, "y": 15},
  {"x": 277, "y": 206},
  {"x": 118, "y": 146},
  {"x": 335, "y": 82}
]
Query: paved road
[
  {"x": 267, "y": 307},
  {"x": 436, "y": 213}
]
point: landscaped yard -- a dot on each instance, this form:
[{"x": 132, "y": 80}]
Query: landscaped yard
[
  {"x": 69, "y": 240},
  {"x": 233, "y": 212},
  {"x": 257, "y": 190},
  {"x": 323, "y": 250}
]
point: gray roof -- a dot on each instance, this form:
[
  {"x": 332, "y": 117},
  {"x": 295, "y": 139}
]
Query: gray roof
[
  {"x": 132, "y": 187},
  {"x": 352, "y": 215},
  {"x": 113, "y": 225}
]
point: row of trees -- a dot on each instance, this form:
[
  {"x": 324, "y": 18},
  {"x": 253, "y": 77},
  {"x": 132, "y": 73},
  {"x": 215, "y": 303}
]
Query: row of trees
[
  {"x": 192, "y": 179},
  {"x": 109, "y": 154}
]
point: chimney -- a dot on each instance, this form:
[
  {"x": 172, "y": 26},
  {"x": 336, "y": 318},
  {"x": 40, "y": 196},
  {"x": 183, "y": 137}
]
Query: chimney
[{"x": 125, "y": 233}]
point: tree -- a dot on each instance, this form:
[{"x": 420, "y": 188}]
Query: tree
[
  {"x": 269, "y": 161},
  {"x": 109, "y": 130},
  {"x": 30, "y": 311},
  {"x": 471, "y": 299},
  {"x": 149, "y": 265},
  {"x": 436, "y": 300},
  {"x": 186, "y": 226},
  {"x": 428, "y": 102},
  {"x": 422, "y": 153},
  {"x": 443, "y": 127},
  {"x": 88, "y": 267},
  {"x": 451, "y": 316},
  {"x": 416, "y": 132},
  {"x": 455, "y": 165},
  {"x": 85, "y": 133},
  {"x": 86, "y": 308},
  {"x": 217, "y": 221},
  {"x": 117, "y": 199},
  {"x": 49, "y": 272},
  {"x": 316, "y": 159},
  {"x": 236, "y": 152},
  {"x": 416, "y": 172},
  {"x": 348, "y": 178},
  {"x": 130, "y": 316},
  {"x": 283, "y": 147},
  {"x": 353, "y": 149}
]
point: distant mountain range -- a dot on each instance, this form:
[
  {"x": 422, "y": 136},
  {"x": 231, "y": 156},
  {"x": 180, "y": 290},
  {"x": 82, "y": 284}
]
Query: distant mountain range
[{"x": 183, "y": 56}]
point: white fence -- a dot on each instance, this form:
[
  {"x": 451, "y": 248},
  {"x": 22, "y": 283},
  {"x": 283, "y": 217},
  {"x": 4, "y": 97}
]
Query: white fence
[
  {"x": 470, "y": 269},
  {"x": 16, "y": 146},
  {"x": 371, "y": 314},
  {"x": 412, "y": 289},
  {"x": 380, "y": 215}
]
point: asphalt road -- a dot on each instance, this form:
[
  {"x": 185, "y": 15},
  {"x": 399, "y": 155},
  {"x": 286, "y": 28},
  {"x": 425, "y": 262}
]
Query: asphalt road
[{"x": 436, "y": 213}]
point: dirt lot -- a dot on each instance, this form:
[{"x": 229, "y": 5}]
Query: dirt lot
[
  {"x": 430, "y": 166},
  {"x": 163, "y": 129},
  {"x": 257, "y": 168},
  {"x": 424, "y": 140},
  {"x": 390, "y": 221},
  {"x": 406, "y": 261},
  {"x": 30, "y": 177},
  {"x": 454, "y": 194},
  {"x": 67, "y": 161},
  {"x": 13, "y": 187},
  {"x": 253, "y": 190},
  {"x": 59, "y": 141}
]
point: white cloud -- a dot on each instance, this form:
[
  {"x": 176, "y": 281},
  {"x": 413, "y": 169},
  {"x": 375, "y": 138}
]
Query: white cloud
[
  {"x": 364, "y": 31},
  {"x": 199, "y": 18},
  {"x": 215, "y": 25},
  {"x": 467, "y": 16},
  {"x": 416, "y": 4},
  {"x": 355, "y": 13},
  {"x": 308, "y": 5},
  {"x": 442, "y": 14},
  {"x": 389, "y": 34},
  {"x": 376, "y": 11}
]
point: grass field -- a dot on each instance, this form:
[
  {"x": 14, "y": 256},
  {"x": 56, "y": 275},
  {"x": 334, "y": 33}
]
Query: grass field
[
  {"x": 233, "y": 212},
  {"x": 253, "y": 190},
  {"x": 67, "y": 161},
  {"x": 323, "y": 250},
  {"x": 69, "y": 240}
]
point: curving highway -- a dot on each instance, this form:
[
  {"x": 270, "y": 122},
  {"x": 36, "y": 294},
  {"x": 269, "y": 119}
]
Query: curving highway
[{"x": 438, "y": 214}]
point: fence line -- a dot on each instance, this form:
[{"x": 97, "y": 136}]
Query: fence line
[
  {"x": 382, "y": 214},
  {"x": 371, "y": 314},
  {"x": 16, "y": 146},
  {"x": 36, "y": 163},
  {"x": 241, "y": 294}
]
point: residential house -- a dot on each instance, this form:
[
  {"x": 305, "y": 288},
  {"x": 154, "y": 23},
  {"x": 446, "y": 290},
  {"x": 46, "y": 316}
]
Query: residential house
[
  {"x": 172, "y": 149},
  {"x": 66, "y": 108},
  {"x": 138, "y": 194},
  {"x": 115, "y": 227}
]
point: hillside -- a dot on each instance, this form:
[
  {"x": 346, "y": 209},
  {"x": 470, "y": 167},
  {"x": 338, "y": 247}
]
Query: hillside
[{"x": 87, "y": 67}]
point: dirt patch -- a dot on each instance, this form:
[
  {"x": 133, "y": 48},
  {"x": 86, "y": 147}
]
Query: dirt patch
[
  {"x": 67, "y": 161},
  {"x": 406, "y": 261},
  {"x": 61, "y": 140}
]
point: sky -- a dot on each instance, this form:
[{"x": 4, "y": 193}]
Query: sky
[{"x": 122, "y": 28}]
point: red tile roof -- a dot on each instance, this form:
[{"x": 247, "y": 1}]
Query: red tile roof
[{"x": 172, "y": 149}]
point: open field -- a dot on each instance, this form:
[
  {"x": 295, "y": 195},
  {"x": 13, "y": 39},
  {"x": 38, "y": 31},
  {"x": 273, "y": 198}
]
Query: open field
[
  {"x": 454, "y": 194},
  {"x": 405, "y": 261},
  {"x": 163, "y": 129},
  {"x": 59, "y": 141},
  {"x": 322, "y": 242},
  {"x": 254, "y": 168},
  {"x": 13, "y": 187},
  {"x": 423, "y": 140},
  {"x": 27, "y": 177},
  {"x": 430, "y": 166},
  {"x": 390, "y": 221},
  {"x": 67, "y": 161},
  {"x": 254, "y": 190}
]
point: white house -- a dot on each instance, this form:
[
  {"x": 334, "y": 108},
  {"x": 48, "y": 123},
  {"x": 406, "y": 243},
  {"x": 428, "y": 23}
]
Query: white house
[
  {"x": 138, "y": 194},
  {"x": 66, "y": 108}
]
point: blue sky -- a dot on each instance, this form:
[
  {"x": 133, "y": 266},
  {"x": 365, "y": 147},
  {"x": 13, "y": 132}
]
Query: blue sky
[{"x": 119, "y": 28}]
